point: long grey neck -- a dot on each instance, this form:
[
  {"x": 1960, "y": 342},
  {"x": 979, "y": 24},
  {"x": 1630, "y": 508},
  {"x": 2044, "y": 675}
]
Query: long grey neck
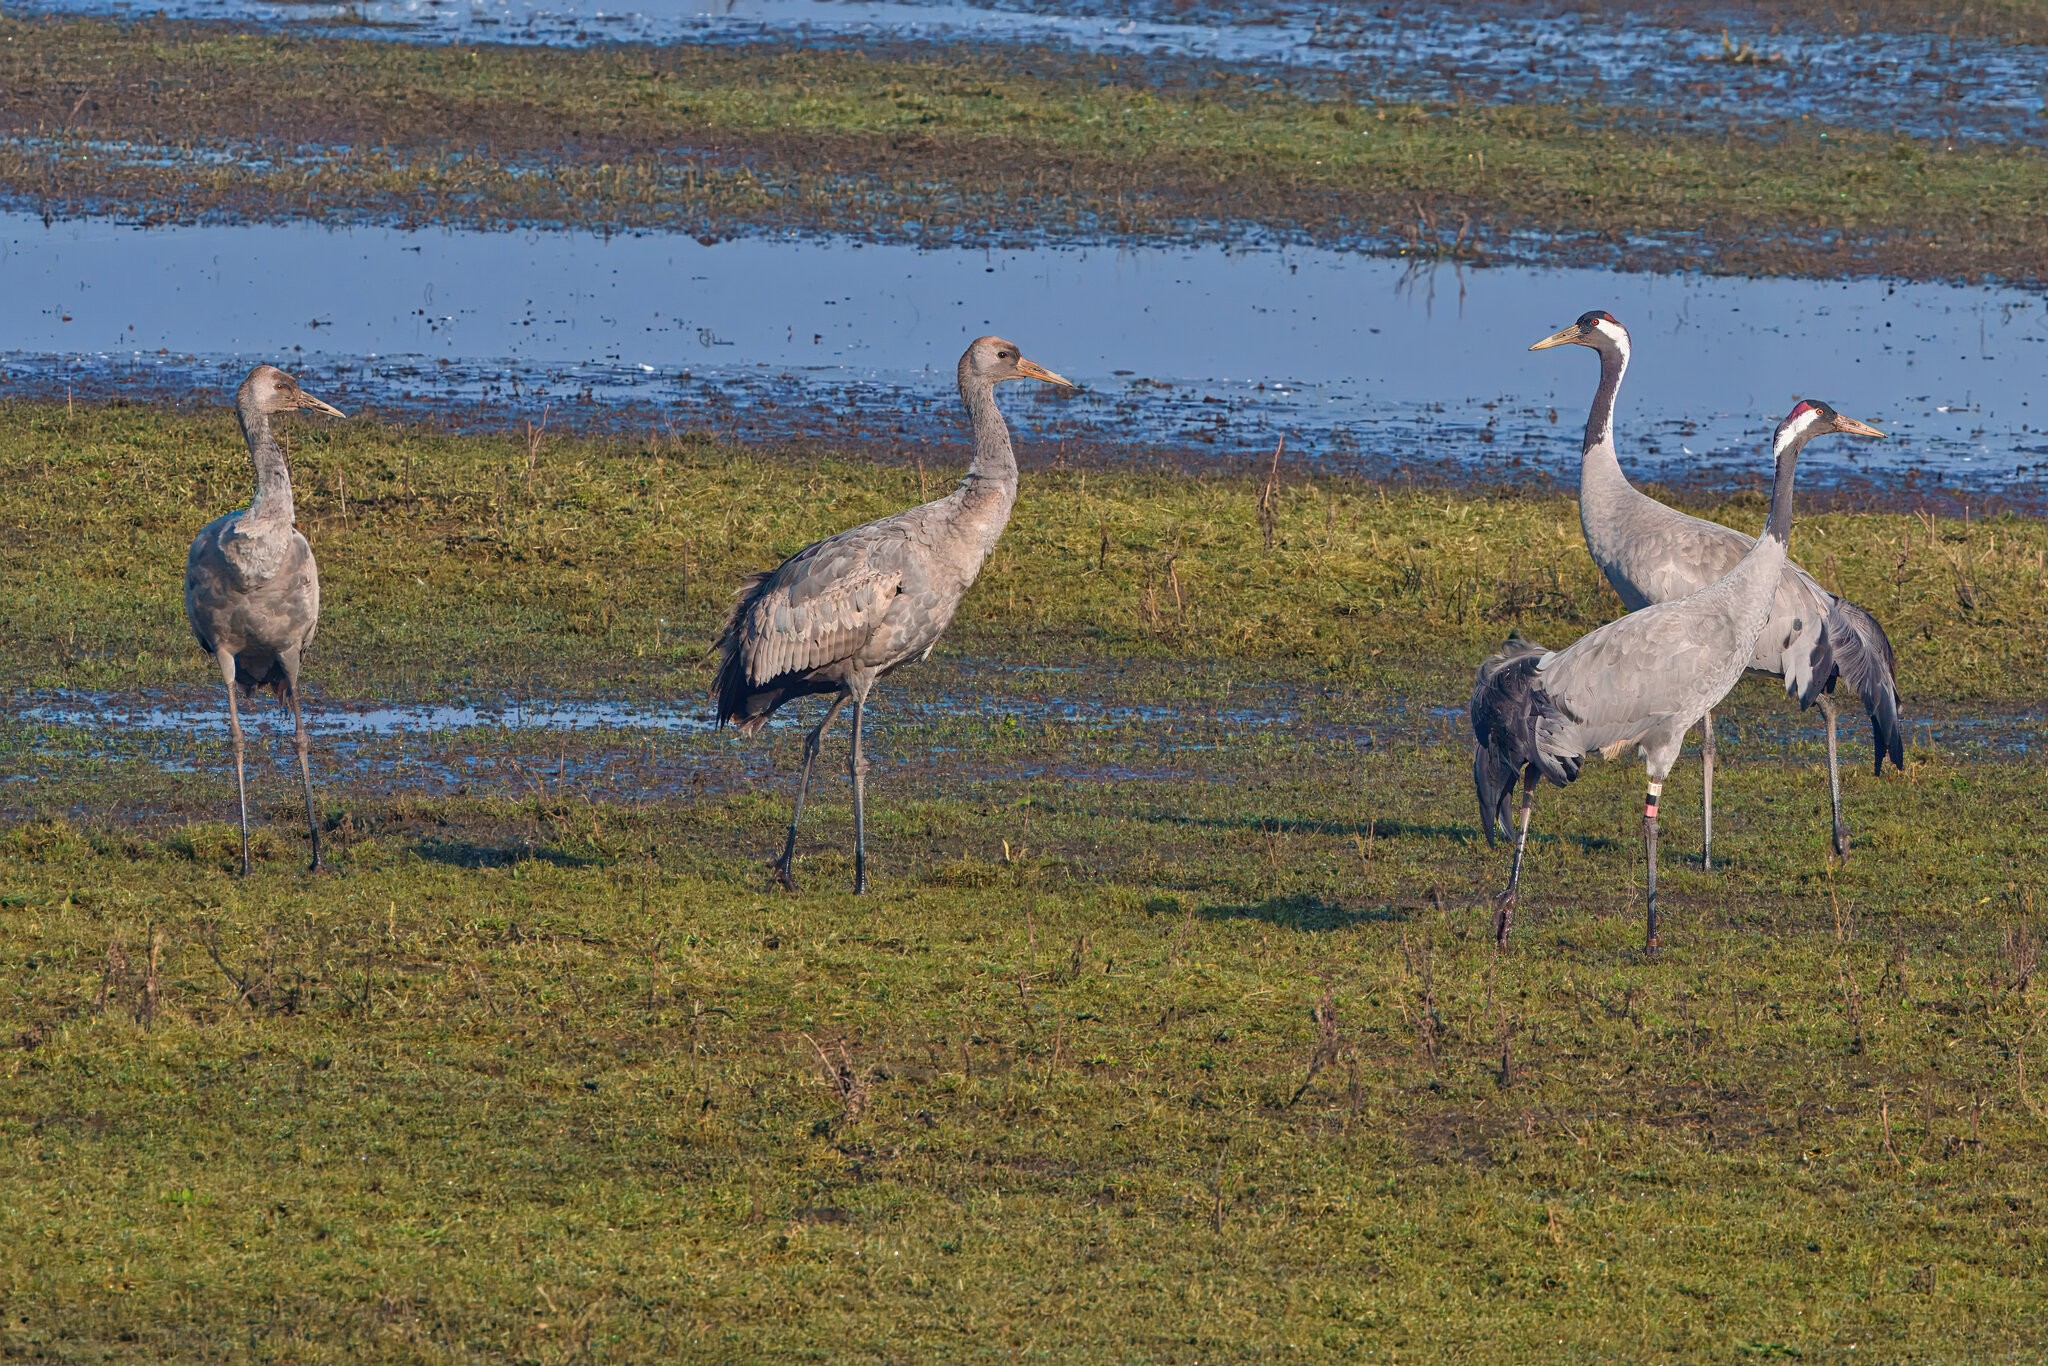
[
  {"x": 273, "y": 500},
  {"x": 1599, "y": 467},
  {"x": 1778, "y": 525},
  {"x": 990, "y": 486}
]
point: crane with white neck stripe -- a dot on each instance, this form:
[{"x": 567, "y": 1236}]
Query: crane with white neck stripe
[
  {"x": 1642, "y": 681},
  {"x": 1653, "y": 553}
]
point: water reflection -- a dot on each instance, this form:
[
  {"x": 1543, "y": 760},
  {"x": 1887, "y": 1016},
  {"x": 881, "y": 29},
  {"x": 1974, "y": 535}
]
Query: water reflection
[{"x": 1360, "y": 360}]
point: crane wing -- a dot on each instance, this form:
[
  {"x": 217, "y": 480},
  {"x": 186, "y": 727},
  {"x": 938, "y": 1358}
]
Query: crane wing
[
  {"x": 1632, "y": 675},
  {"x": 818, "y": 608}
]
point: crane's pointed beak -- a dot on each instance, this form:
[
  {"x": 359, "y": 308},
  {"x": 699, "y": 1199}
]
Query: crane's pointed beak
[
  {"x": 1564, "y": 338},
  {"x": 1845, "y": 423},
  {"x": 306, "y": 400},
  {"x": 1031, "y": 369}
]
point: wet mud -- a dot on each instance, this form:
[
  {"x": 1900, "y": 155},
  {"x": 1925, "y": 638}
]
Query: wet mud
[{"x": 1708, "y": 66}]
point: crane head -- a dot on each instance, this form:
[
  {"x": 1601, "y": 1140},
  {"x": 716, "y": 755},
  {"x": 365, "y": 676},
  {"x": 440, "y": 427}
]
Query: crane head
[
  {"x": 991, "y": 360},
  {"x": 270, "y": 390},
  {"x": 1597, "y": 329},
  {"x": 1813, "y": 417}
]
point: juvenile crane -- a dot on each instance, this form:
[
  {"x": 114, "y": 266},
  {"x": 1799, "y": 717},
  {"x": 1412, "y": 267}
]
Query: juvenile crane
[
  {"x": 1644, "y": 680},
  {"x": 841, "y": 613},
  {"x": 1653, "y": 553},
  {"x": 252, "y": 592}
]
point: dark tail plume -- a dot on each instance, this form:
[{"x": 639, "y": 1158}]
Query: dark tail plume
[
  {"x": 1854, "y": 647},
  {"x": 1515, "y": 729},
  {"x": 731, "y": 696}
]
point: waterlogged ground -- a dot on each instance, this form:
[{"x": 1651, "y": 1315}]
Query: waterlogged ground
[
  {"x": 959, "y": 721},
  {"x": 545, "y": 1068},
  {"x": 1360, "y": 363},
  {"x": 1172, "y": 1028},
  {"x": 180, "y": 122},
  {"x": 1712, "y": 69}
]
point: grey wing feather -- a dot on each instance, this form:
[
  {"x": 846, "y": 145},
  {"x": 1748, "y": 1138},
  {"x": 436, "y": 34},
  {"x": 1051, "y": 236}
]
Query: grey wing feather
[
  {"x": 263, "y": 621},
  {"x": 820, "y": 606},
  {"x": 1855, "y": 646},
  {"x": 1639, "y": 674}
]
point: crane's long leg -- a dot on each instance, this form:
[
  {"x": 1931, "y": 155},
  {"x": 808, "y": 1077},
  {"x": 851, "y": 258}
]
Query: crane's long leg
[
  {"x": 857, "y": 766},
  {"x": 1650, "y": 850},
  {"x": 1832, "y": 712},
  {"x": 812, "y": 743},
  {"x": 1707, "y": 756},
  {"x": 291, "y": 687},
  {"x": 227, "y": 673},
  {"x": 1504, "y": 904}
]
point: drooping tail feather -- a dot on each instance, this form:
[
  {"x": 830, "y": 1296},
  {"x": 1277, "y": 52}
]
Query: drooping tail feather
[
  {"x": 739, "y": 700},
  {"x": 1516, "y": 728},
  {"x": 1854, "y": 647},
  {"x": 731, "y": 697}
]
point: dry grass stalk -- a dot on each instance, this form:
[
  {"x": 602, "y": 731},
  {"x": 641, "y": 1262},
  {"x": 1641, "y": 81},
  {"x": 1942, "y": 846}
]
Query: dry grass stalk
[
  {"x": 848, "y": 1083},
  {"x": 1327, "y": 1048},
  {"x": 1268, "y": 510},
  {"x": 2022, "y": 956}
]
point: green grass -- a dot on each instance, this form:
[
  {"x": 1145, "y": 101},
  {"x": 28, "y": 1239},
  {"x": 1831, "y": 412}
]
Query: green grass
[
  {"x": 455, "y": 563},
  {"x": 957, "y": 143},
  {"x": 1080, "y": 1100},
  {"x": 1157, "y": 1041}
]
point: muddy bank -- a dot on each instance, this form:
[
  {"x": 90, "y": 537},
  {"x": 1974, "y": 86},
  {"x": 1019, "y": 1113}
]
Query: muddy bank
[
  {"x": 1707, "y": 66},
  {"x": 181, "y": 123}
]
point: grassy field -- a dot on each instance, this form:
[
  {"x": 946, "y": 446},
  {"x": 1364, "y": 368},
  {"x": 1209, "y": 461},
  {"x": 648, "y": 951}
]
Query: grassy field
[
  {"x": 481, "y": 563},
  {"x": 961, "y": 145},
  {"x": 1157, "y": 1042}
]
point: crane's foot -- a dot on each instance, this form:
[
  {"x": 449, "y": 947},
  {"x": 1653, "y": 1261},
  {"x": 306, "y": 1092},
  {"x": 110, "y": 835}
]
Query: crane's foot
[
  {"x": 1504, "y": 916},
  {"x": 860, "y": 880},
  {"x": 318, "y": 867},
  {"x": 784, "y": 878},
  {"x": 1841, "y": 841}
]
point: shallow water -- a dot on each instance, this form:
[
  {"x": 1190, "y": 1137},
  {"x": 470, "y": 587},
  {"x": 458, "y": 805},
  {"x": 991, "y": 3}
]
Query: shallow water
[
  {"x": 1362, "y": 362},
  {"x": 203, "y": 716},
  {"x": 1924, "y": 86},
  {"x": 961, "y": 723}
]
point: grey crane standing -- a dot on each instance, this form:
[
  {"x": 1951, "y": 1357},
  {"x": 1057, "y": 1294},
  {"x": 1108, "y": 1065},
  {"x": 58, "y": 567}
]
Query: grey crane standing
[
  {"x": 252, "y": 592},
  {"x": 1652, "y": 553},
  {"x": 1644, "y": 680},
  {"x": 842, "y": 612}
]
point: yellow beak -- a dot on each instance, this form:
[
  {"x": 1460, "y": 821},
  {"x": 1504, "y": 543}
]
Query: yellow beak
[
  {"x": 306, "y": 400},
  {"x": 1031, "y": 369},
  {"x": 1844, "y": 423},
  {"x": 1564, "y": 338}
]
